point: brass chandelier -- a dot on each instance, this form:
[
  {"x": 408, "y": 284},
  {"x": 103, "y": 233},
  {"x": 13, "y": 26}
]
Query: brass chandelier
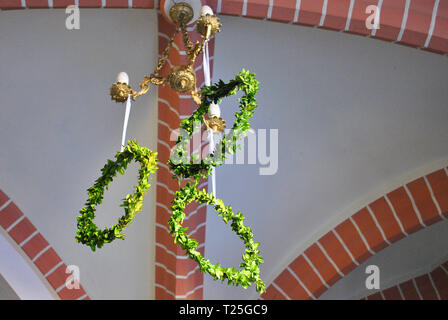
[{"x": 181, "y": 78}]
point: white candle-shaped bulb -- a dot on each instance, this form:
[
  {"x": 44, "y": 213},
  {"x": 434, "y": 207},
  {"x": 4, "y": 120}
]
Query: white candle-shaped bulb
[
  {"x": 206, "y": 10},
  {"x": 123, "y": 77},
  {"x": 214, "y": 110}
]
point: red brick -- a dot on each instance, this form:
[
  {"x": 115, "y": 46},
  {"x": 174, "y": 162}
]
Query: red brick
[
  {"x": 445, "y": 265},
  {"x": 440, "y": 279},
  {"x": 359, "y": 17},
  {"x": 58, "y": 277},
  {"x": 291, "y": 286},
  {"x": 164, "y": 133},
  {"x": 232, "y": 7},
  {"x": 146, "y": 4},
  {"x": 71, "y": 294},
  {"x": 370, "y": 231},
  {"x": 37, "y": 4},
  {"x": 336, "y": 16},
  {"x": 404, "y": 209},
  {"x": 310, "y": 12},
  {"x": 90, "y": 3},
  {"x": 322, "y": 264},
  {"x": 11, "y": 4},
  {"x": 9, "y": 215},
  {"x": 35, "y": 245},
  {"x": 22, "y": 230},
  {"x": 213, "y": 4},
  {"x": 273, "y": 294},
  {"x": 409, "y": 291},
  {"x": 424, "y": 201},
  {"x": 438, "y": 181},
  {"x": 337, "y": 253},
  {"x": 161, "y": 294},
  {"x": 183, "y": 286},
  {"x": 375, "y": 296},
  {"x": 164, "y": 155},
  {"x": 179, "y": 266},
  {"x": 283, "y": 10},
  {"x": 63, "y": 3},
  {"x": 419, "y": 20},
  {"x": 257, "y": 8},
  {"x": 196, "y": 219},
  {"x": 391, "y": 17},
  {"x": 163, "y": 237},
  {"x": 48, "y": 260},
  {"x": 425, "y": 287},
  {"x": 117, "y": 4},
  {"x": 163, "y": 279},
  {"x": 3, "y": 197},
  {"x": 386, "y": 219},
  {"x": 348, "y": 233},
  {"x": 307, "y": 275},
  {"x": 392, "y": 293},
  {"x": 166, "y": 176},
  {"x": 198, "y": 294}
]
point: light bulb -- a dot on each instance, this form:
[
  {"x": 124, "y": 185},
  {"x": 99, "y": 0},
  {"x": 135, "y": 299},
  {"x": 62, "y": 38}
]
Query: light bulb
[
  {"x": 214, "y": 110},
  {"x": 123, "y": 77},
  {"x": 206, "y": 10}
]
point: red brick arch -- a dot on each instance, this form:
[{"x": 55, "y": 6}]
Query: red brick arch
[
  {"x": 415, "y": 23},
  {"x": 40, "y": 254},
  {"x": 429, "y": 286},
  {"x": 395, "y": 215}
]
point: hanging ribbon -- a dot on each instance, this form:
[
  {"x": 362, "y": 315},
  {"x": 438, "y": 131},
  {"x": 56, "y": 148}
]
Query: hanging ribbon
[
  {"x": 125, "y": 124},
  {"x": 207, "y": 82}
]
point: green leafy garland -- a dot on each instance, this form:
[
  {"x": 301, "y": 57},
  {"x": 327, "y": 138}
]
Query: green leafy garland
[
  {"x": 251, "y": 260},
  {"x": 88, "y": 233},
  {"x": 185, "y": 168}
]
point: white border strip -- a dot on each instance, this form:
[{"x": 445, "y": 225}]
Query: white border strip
[
  {"x": 434, "y": 198},
  {"x": 391, "y": 206},
  {"x": 433, "y": 23},
  {"x": 324, "y": 13},
  {"x": 315, "y": 270},
  {"x": 378, "y": 224},
  {"x": 417, "y": 212},
  {"x": 404, "y": 20},
  {"x": 349, "y": 15},
  {"x": 329, "y": 259},
  {"x": 297, "y": 11},
  {"x": 345, "y": 247}
]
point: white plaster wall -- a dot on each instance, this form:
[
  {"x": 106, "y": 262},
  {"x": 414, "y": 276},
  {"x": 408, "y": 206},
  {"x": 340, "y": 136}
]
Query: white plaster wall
[
  {"x": 356, "y": 118},
  {"x": 58, "y": 127}
]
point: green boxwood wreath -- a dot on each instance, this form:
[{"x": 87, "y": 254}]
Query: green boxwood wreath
[
  {"x": 188, "y": 168},
  {"x": 250, "y": 272},
  {"x": 184, "y": 168},
  {"x": 88, "y": 233}
]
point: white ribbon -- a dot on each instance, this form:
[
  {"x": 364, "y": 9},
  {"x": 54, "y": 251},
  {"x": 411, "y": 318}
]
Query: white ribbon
[
  {"x": 125, "y": 124},
  {"x": 207, "y": 82}
]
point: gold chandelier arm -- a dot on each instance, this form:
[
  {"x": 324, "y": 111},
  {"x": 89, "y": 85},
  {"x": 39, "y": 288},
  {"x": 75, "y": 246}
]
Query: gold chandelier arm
[
  {"x": 164, "y": 57},
  {"x": 186, "y": 39},
  {"x": 144, "y": 85}
]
